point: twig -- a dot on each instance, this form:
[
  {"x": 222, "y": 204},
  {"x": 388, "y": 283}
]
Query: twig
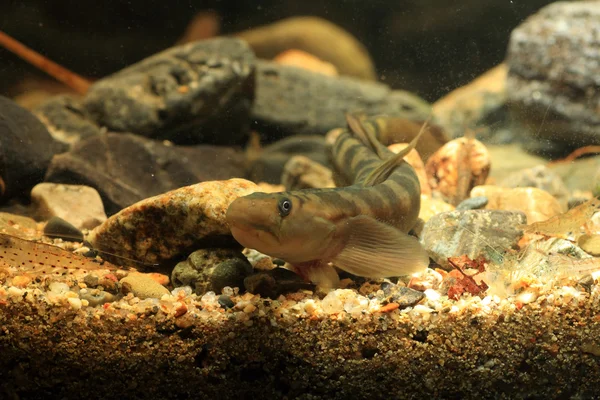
[{"x": 69, "y": 78}]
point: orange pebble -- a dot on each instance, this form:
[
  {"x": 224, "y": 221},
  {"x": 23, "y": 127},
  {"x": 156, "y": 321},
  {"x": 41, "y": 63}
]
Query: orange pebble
[
  {"x": 159, "y": 278},
  {"x": 21, "y": 281},
  {"x": 389, "y": 307}
]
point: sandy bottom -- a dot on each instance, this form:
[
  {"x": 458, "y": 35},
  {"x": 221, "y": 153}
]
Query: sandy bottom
[{"x": 186, "y": 346}]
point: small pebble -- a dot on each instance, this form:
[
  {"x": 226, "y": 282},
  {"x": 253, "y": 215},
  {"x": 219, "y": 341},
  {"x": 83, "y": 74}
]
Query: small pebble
[
  {"x": 143, "y": 286},
  {"x": 473, "y": 203},
  {"x": 74, "y": 302},
  {"x": 225, "y": 301},
  {"x": 590, "y": 244},
  {"x": 59, "y": 228},
  {"x": 21, "y": 280}
]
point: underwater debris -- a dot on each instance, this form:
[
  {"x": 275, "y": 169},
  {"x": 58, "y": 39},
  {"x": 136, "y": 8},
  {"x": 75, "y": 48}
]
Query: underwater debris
[
  {"x": 466, "y": 283},
  {"x": 60, "y": 73}
]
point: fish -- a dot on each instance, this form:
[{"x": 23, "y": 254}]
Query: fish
[{"x": 361, "y": 228}]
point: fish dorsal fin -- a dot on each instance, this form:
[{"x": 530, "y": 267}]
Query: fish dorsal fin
[
  {"x": 365, "y": 134},
  {"x": 383, "y": 171},
  {"x": 378, "y": 250}
]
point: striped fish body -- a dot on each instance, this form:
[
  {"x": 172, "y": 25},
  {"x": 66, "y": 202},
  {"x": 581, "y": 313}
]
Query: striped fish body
[{"x": 361, "y": 228}]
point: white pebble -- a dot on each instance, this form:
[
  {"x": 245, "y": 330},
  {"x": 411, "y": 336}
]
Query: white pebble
[
  {"x": 432, "y": 294},
  {"x": 14, "y": 292},
  {"x": 74, "y": 302},
  {"x": 59, "y": 287}
]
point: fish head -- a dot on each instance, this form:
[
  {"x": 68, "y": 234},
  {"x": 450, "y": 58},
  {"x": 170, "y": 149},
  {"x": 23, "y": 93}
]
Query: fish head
[{"x": 278, "y": 225}]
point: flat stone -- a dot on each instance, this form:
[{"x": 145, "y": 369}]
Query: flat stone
[
  {"x": 167, "y": 226},
  {"x": 26, "y": 149},
  {"x": 475, "y": 233},
  {"x": 553, "y": 75},
  {"x": 127, "y": 168},
  {"x": 79, "y": 205},
  {"x": 294, "y": 101},
  {"x": 189, "y": 94},
  {"x": 472, "y": 203},
  {"x": 212, "y": 270},
  {"x": 142, "y": 286},
  {"x": 66, "y": 119}
]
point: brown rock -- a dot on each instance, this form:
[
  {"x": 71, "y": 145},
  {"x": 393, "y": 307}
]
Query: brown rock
[
  {"x": 537, "y": 204},
  {"x": 457, "y": 167},
  {"x": 79, "y": 205}
]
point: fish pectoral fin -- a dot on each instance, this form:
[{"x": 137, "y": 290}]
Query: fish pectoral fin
[
  {"x": 378, "y": 250},
  {"x": 318, "y": 272},
  {"x": 383, "y": 171}
]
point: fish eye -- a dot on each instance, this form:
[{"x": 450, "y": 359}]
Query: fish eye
[{"x": 284, "y": 206}]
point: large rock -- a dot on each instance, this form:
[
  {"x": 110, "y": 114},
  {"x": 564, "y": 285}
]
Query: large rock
[
  {"x": 126, "y": 168},
  {"x": 171, "y": 225},
  {"x": 188, "y": 94},
  {"x": 66, "y": 119},
  {"x": 26, "y": 149},
  {"x": 475, "y": 233},
  {"x": 290, "y": 101},
  {"x": 554, "y": 75}
]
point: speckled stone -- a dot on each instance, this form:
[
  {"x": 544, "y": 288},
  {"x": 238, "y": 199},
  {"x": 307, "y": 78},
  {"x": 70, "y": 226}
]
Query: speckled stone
[
  {"x": 142, "y": 286},
  {"x": 212, "y": 270},
  {"x": 473, "y": 233},
  {"x": 166, "y": 226}
]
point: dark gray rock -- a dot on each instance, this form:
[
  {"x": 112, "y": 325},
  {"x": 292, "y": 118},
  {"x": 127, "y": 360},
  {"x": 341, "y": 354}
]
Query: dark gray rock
[
  {"x": 268, "y": 166},
  {"x": 189, "y": 94},
  {"x": 225, "y": 301},
  {"x": 26, "y": 149},
  {"x": 474, "y": 233},
  {"x": 554, "y": 75},
  {"x": 407, "y": 297},
  {"x": 275, "y": 282},
  {"x": 212, "y": 270},
  {"x": 66, "y": 119},
  {"x": 295, "y": 101},
  {"x": 472, "y": 203},
  {"x": 57, "y": 227},
  {"x": 126, "y": 168}
]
